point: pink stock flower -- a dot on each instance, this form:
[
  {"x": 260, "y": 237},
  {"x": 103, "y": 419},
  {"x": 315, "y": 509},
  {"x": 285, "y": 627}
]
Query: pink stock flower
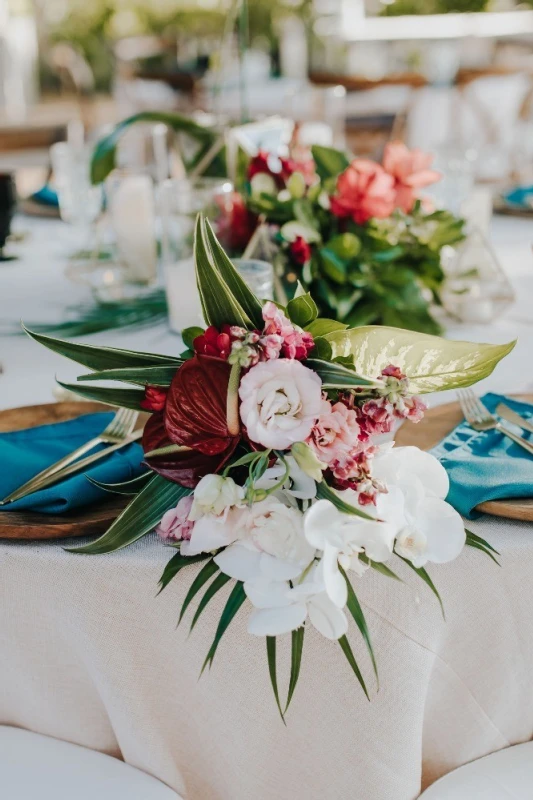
[
  {"x": 413, "y": 409},
  {"x": 411, "y": 172},
  {"x": 175, "y": 524},
  {"x": 364, "y": 190},
  {"x": 336, "y": 433},
  {"x": 292, "y": 342},
  {"x": 376, "y": 416}
]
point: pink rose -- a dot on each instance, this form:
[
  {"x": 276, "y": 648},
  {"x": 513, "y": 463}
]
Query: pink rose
[
  {"x": 364, "y": 190},
  {"x": 175, "y": 524},
  {"x": 336, "y": 433},
  {"x": 411, "y": 172}
]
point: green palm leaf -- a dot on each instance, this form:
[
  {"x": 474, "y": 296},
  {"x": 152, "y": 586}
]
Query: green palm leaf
[
  {"x": 271, "y": 655},
  {"x": 422, "y": 573},
  {"x": 177, "y": 563},
  {"x": 297, "y": 645},
  {"x": 354, "y": 607},
  {"x": 325, "y": 492},
  {"x": 153, "y": 376},
  {"x": 130, "y": 487},
  {"x": 123, "y": 398},
  {"x": 347, "y": 650},
  {"x": 207, "y": 571},
  {"x": 235, "y": 601},
  {"x": 220, "y": 581}
]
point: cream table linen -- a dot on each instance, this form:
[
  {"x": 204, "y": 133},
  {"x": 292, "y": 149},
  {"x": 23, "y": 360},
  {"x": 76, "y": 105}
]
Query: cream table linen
[{"x": 89, "y": 654}]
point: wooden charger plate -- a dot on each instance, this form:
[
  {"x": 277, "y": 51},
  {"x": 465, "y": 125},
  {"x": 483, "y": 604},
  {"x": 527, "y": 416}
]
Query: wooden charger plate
[
  {"x": 32, "y": 525},
  {"x": 437, "y": 423}
]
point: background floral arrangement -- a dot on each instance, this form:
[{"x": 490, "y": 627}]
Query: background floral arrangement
[
  {"x": 264, "y": 462},
  {"x": 358, "y": 235}
]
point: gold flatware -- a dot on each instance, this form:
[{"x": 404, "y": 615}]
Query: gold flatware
[
  {"x": 511, "y": 416},
  {"x": 66, "y": 472},
  {"x": 117, "y": 431},
  {"x": 480, "y": 419}
]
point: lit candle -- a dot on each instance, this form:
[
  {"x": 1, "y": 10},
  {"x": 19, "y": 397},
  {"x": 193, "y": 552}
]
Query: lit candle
[{"x": 133, "y": 218}]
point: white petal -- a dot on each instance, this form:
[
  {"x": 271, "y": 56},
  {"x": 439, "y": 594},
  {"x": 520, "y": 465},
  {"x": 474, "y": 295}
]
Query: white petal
[
  {"x": 334, "y": 582},
  {"x": 239, "y": 562},
  {"x": 322, "y": 523},
  {"x": 377, "y": 538},
  {"x": 303, "y": 486},
  {"x": 278, "y": 570},
  {"x": 264, "y": 593},
  {"x": 210, "y": 533},
  {"x": 444, "y": 530},
  {"x": 403, "y": 463},
  {"x": 329, "y": 620},
  {"x": 275, "y": 621}
]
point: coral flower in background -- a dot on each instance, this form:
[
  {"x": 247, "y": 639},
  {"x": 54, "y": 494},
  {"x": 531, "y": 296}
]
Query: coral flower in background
[
  {"x": 364, "y": 190},
  {"x": 236, "y": 222},
  {"x": 411, "y": 172},
  {"x": 300, "y": 250}
]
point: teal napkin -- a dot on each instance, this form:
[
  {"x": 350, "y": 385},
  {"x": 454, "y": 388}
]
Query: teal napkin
[
  {"x": 486, "y": 466},
  {"x": 24, "y": 454},
  {"x": 520, "y": 196},
  {"x": 46, "y": 196}
]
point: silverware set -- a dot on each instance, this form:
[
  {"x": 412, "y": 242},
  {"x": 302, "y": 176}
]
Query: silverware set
[
  {"x": 119, "y": 433},
  {"x": 480, "y": 418}
]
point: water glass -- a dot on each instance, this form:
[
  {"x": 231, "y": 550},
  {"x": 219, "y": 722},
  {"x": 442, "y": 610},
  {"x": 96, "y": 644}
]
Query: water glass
[
  {"x": 259, "y": 275},
  {"x": 80, "y": 202}
]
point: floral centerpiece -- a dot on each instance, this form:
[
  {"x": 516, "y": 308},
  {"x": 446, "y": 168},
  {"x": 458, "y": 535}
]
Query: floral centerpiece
[
  {"x": 357, "y": 234},
  {"x": 266, "y": 466}
]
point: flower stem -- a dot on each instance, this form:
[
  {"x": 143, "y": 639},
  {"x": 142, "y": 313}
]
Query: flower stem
[{"x": 234, "y": 426}]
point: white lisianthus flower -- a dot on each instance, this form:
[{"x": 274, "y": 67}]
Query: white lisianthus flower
[
  {"x": 428, "y": 528},
  {"x": 280, "y": 609},
  {"x": 215, "y": 494},
  {"x": 342, "y": 538},
  {"x": 280, "y": 401}
]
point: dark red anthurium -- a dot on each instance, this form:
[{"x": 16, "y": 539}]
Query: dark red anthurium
[{"x": 195, "y": 416}]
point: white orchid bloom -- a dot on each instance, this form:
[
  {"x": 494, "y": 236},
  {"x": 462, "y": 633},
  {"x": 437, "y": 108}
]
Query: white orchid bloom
[
  {"x": 298, "y": 484},
  {"x": 342, "y": 537},
  {"x": 281, "y": 609},
  {"x": 428, "y": 528}
]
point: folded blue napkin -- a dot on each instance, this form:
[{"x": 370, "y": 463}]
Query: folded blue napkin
[
  {"x": 24, "y": 454},
  {"x": 520, "y": 196},
  {"x": 486, "y": 466},
  {"x": 46, "y": 196}
]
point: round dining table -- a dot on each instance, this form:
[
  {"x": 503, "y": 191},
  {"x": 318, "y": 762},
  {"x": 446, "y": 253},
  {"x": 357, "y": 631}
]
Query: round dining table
[{"x": 90, "y": 655}]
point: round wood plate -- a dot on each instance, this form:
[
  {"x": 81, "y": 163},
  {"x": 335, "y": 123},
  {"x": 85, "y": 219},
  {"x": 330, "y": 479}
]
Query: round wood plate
[
  {"x": 437, "y": 423},
  {"x": 32, "y": 525}
]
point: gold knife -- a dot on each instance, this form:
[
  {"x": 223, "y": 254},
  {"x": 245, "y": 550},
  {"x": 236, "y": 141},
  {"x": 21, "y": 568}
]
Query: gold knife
[
  {"x": 56, "y": 477},
  {"x": 511, "y": 416}
]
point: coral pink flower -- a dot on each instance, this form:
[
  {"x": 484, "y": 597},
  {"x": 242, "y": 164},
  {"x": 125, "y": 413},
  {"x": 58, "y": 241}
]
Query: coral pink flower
[
  {"x": 175, "y": 524},
  {"x": 300, "y": 250},
  {"x": 411, "y": 172},
  {"x": 295, "y": 343},
  {"x": 336, "y": 433},
  {"x": 364, "y": 190}
]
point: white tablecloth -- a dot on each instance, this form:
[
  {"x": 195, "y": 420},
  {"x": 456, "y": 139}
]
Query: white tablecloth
[{"x": 89, "y": 655}]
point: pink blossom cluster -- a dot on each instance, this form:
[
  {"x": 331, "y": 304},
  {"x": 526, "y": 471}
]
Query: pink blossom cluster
[
  {"x": 175, "y": 524},
  {"x": 281, "y": 337},
  {"x": 342, "y": 436}
]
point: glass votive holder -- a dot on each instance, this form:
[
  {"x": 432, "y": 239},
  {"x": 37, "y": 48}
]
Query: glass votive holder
[{"x": 259, "y": 275}]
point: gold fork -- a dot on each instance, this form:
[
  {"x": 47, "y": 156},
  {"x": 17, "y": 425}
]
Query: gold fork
[
  {"x": 116, "y": 432},
  {"x": 480, "y": 419}
]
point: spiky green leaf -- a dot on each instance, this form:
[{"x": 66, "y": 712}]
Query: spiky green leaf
[
  {"x": 271, "y": 656},
  {"x": 325, "y": 492},
  {"x": 297, "y": 645},
  {"x": 336, "y": 376},
  {"x": 207, "y": 572},
  {"x": 235, "y": 601},
  {"x": 143, "y": 376},
  {"x": 354, "y": 607},
  {"x": 176, "y": 564},
  {"x": 423, "y": 573},
  {"x": 347, "y": 650},
  {"x": 123, "y": 398},
  {"x": 214, "y": 587},
  {"x": 130, "y": 487}
]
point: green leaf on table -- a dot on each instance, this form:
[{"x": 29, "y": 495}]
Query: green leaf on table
[
  {"x": 123, "y": 398},
  {"x": 214, "y": 587},
  {"x": 143, "y": 376},
  {"x": 480, "y": 544},
  {"x": 137, "y": 519},
  {"x": 219, "y": 305},
  {"x": 430, "y": 362},
  {"x": 302, "y": 310},
  {"x": 329, "y": 162},
  {"x": 319, "y": 327},
  {"x": 297, "y": 645},
  {"x": 271, "y": 656},
  {"x": 100, "y": 358},
  {"x": 236, "y": 285},
  {"x": 130, "y": 487},
  {"x": 354, "y": 607},
  {"x": 422, "y": 573},
  {"x": 325, "y": 492},
  {"x": 207, "y": 572},
  {"x": 176, "y": 564},
  {"x": 336, "y": 376},
  {"x": 235, "y": 601},
  {"x": 347, "y": 650}
]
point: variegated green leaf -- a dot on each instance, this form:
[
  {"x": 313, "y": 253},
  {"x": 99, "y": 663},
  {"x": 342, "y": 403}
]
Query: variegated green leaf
[
  {"x": 335, "y": 376},
  {"x": 123, "y": 398},
  {"x": 142, "y": 376},
  {"x": 431, "y": 363},
  {"x": 130, "y": 487}
]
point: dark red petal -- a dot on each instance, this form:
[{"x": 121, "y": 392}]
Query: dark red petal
[{"x": 196, "y": 409}]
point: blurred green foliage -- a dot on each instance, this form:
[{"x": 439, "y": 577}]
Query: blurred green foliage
[{"x": 400, "y": 7}]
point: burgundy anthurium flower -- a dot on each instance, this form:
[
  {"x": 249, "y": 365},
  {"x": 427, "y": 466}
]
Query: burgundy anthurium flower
[{"x": 195, "y": 416}]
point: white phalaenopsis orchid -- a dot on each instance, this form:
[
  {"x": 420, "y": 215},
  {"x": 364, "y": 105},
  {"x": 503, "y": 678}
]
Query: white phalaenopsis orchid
[
  {"x": 297, "y": 486},
  {"x": 280, "y": 608},
  {"x": 428, "y": 528},
  {"x": 342, "y": 538}
]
